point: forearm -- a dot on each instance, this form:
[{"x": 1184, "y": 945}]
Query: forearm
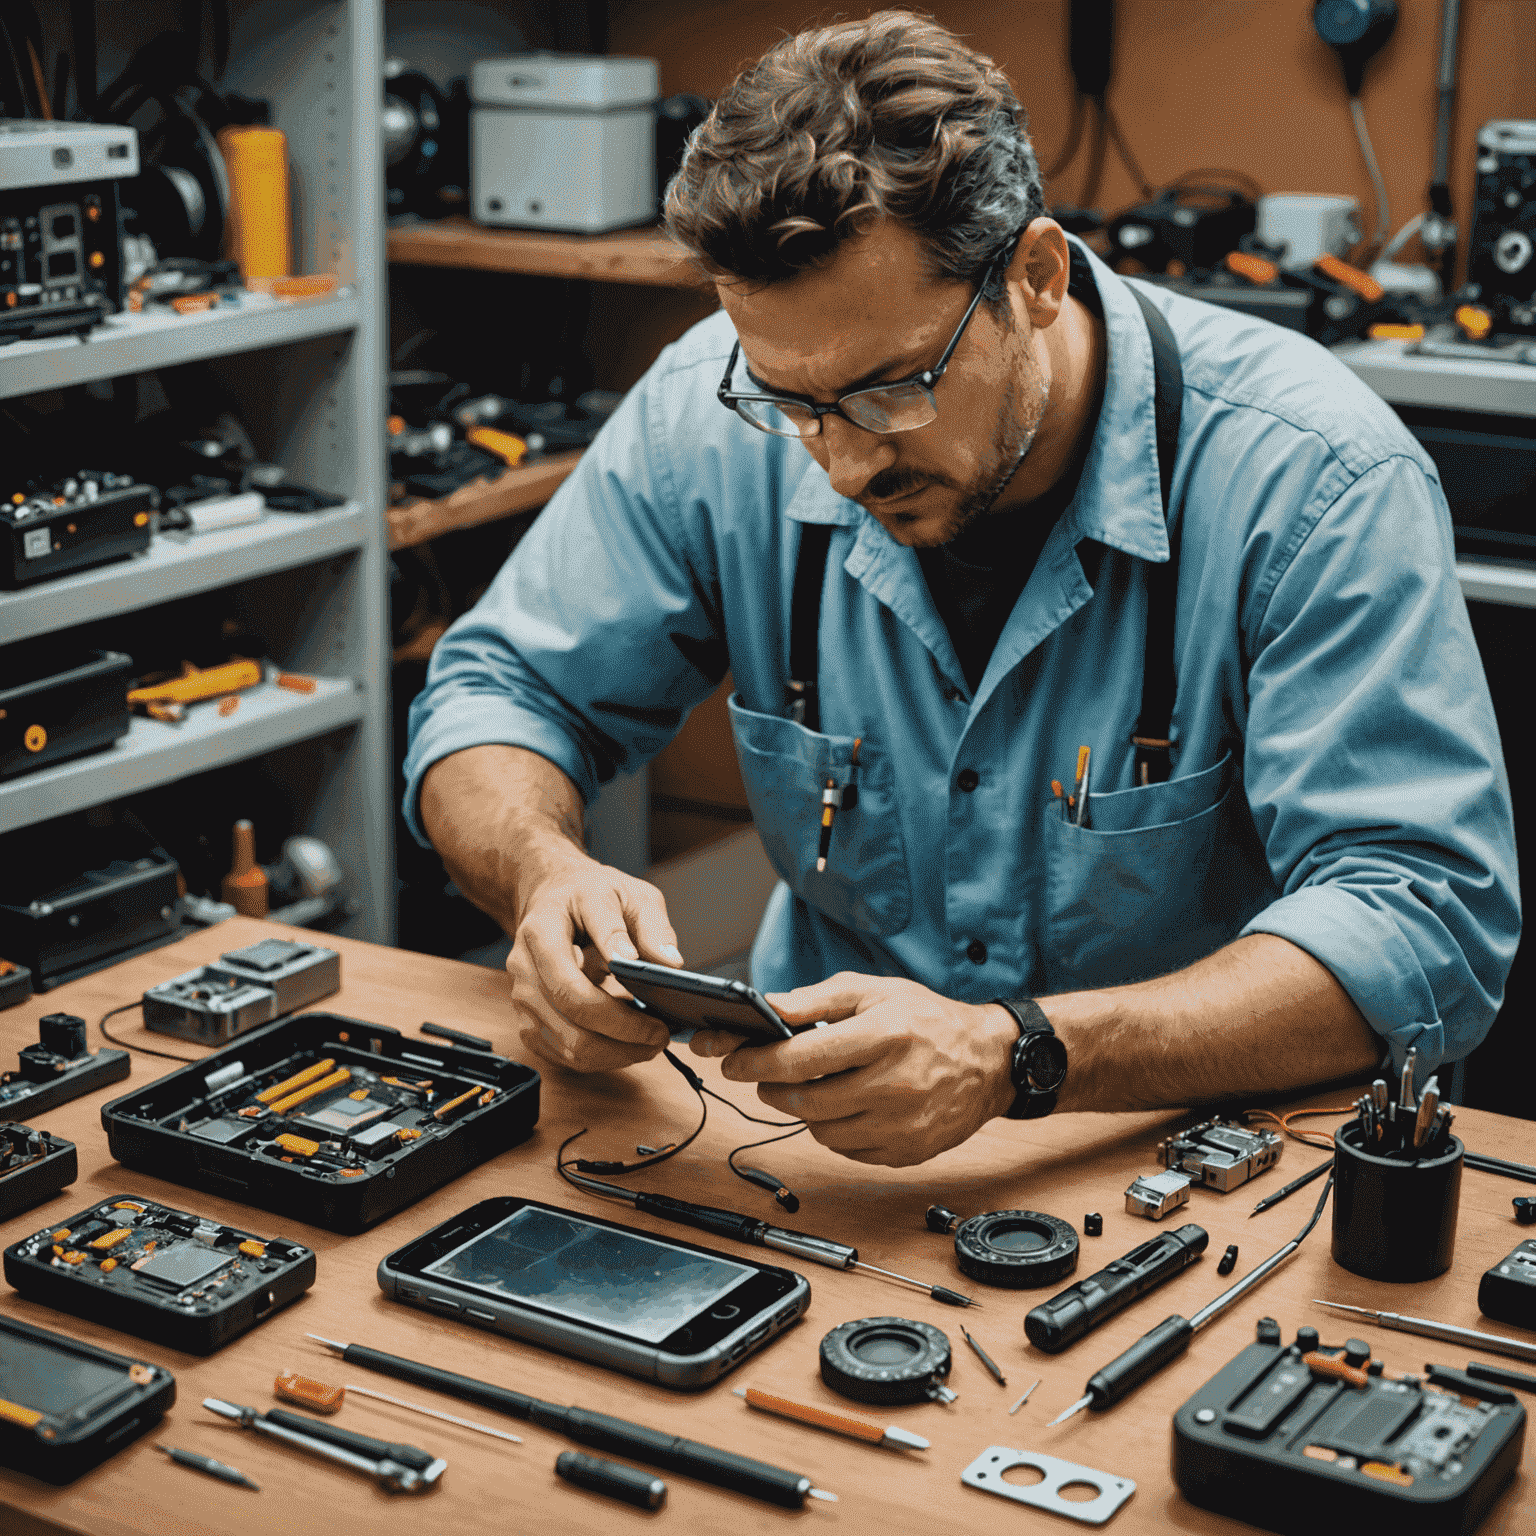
[
  {"x": 1259, "y": 1016},
  {"x": 500, "y": 817}
]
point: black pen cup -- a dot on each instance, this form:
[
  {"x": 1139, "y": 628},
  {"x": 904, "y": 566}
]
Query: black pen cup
[{"x": 1393, "y": 1219}]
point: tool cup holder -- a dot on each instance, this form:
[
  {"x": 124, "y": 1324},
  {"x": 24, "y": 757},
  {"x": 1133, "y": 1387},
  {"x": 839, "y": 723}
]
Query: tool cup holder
[{"x": 1393, "y": 1218}]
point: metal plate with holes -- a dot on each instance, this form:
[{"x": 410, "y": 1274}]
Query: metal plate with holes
[{"x": 986, "y": 1473}]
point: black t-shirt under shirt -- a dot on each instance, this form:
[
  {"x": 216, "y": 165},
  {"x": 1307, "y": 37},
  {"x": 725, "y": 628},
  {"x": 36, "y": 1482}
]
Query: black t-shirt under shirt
[{"x": 977, "y": 577}]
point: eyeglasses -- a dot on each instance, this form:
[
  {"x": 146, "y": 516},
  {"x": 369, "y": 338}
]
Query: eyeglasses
[{"x": 900, "y": 406}]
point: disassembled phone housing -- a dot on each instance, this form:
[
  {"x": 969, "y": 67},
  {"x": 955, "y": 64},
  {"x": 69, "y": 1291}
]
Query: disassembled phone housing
[
  {"x": 1508, "y": 1290},
  {"x": 1288, "y": 1437},
  {"x": 57, "y": 1069},
  {"x": 247, "y": 988},
  {"x": 180, "y": 1279},
  {"x": 1154, "y": 1195},
  {"x": 1221, "y": 1154},
  {"x": 326, "y": 1119},
  {"x": 33, "y": 1166}
]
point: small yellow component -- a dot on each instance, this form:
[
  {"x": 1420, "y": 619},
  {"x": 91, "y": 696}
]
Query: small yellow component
[
  {"x": 14, "y": 1413},
  {"x": 300, "y": 1146},
  {"x": 252, "y": 1111},
  {"x": 1383, "y": 331},
  {"x": 1386, "y": 1472},
  {"x": 128, "y": 1205},
  {"x": 140, "y": 520},
  {"x": 62, "y": 1235},
  {"x": 58, "y": 1252},
  {"x": 107, "y": 1266},
  {"x": 400, "y": 1082},
  {"x": 304, "y": 1095},
  {"x": 361, "y": 1093},
  {"x": 254, "y": 1249},
  {"x": 141, "y": 1375},
  {"x": 444, "y": 1110},
  {"x": 73, "y": 1256},
  {"x": 284, "y": 1088},
  {"x": 308, "y": 1392},
  {"x": 35, "y": 739},
  {"x": 504, "y": 445},
  {"x": 97, "y": 259},
  {"x": 200, "y": 683},
  {"x": 351, "y": 1173},
  {"x": 110, "y": 1239},
  {"x": 404, "y": 1135},
  {"x": 1474, "y": 321},
  {"x": 488, "y": 1095}
]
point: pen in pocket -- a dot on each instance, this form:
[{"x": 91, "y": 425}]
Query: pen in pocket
[
  {"x": 832, "y": 799},
  {"x": 1077, "y": 806}
]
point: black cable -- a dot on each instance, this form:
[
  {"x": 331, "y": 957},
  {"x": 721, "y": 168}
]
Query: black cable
[
  {"x": 1074, "y": 138},
  {"x": 1095, "y": 157},
  {"x": 1127, "y": 159},
  {"x": 587, "y": 1165},
  {"x": 768, "y": 1141},
  {"x": 745, "y": 1116},
  {"x": 106, "y": 1034}
]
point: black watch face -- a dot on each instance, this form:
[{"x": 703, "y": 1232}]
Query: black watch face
[{"x": 1045, "y": 1062}]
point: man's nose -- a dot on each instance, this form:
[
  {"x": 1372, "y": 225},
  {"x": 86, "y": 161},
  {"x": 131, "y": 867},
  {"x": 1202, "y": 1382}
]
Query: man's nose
[{"x": 851, "y": 456}]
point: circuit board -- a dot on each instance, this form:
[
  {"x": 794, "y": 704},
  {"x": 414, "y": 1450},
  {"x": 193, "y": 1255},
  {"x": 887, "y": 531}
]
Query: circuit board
[
  {"x": 160, "y": 1273},
  {"x": 331, "y": 1120}
]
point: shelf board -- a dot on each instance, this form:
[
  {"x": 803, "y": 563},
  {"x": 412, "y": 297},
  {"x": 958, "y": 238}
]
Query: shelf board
[
  {"x": 485, "y": 501},
  {"x": 1402, "y": 376},
  {"x": 153, "y": 753},
  {"x": 158, "y": 337},
  {"x": 645, "y": 256},
  {"x": 172, "y": 568},
  {"x": 1487, "y": 581}
]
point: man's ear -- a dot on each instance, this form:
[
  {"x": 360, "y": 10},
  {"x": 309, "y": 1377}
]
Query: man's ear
[{"x": 1039, "y": 270}]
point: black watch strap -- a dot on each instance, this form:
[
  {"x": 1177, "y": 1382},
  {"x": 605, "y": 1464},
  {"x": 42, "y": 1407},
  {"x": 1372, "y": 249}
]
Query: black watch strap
[{"x": 1029, "y": 1102}]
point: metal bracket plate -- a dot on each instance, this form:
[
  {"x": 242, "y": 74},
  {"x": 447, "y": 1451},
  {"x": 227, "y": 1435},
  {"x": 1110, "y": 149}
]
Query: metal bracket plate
[{"x": 986, "y": 1473}]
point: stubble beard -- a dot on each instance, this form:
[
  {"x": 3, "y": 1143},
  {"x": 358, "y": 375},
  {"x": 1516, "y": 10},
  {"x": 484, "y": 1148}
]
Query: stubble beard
[{"x": 1018, "y": 424}]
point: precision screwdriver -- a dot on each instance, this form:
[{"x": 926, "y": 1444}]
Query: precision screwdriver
[
  {"x": 1494, "y": 1343},
  {"x": 219, "y": 1469},
  {"x": 1171, "y": 1337},
  {"x": 748, "y": 1229}
]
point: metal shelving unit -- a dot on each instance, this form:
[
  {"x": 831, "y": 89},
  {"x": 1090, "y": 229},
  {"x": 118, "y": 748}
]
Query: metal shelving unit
[{"x": 309, "y": 377}]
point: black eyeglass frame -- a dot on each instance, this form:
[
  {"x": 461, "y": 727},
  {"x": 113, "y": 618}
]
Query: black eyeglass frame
[{"x": 925, "y": 379}]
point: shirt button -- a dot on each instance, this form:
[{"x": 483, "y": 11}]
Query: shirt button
[
  {"x": 976, "y": 952},
  {"x": 968, "y": 779}
]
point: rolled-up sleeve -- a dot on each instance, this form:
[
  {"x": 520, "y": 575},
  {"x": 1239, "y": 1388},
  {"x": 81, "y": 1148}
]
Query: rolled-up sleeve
[
  {"x": 1373, "y": 767},
  {"x": 600, "y": 632}
]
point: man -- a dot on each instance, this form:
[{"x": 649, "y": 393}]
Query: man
[{"x": 1309, "y": 864}]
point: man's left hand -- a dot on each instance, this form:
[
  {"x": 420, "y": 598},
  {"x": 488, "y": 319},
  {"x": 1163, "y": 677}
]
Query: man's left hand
[{"x": 901, "y": 1075}]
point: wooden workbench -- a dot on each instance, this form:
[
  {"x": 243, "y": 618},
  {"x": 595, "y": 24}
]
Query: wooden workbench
[{"x": 1065, "y": 1165}]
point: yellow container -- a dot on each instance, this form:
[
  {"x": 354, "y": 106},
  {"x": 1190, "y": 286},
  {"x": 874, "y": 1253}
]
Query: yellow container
[{"x": 258, "y": 234}]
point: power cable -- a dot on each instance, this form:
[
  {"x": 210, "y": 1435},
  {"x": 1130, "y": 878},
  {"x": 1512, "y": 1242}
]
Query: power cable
[{"x": 1379, "y": 187}]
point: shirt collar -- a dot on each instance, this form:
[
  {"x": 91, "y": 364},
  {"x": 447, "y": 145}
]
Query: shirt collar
[{"x": 1118, "y": 501}]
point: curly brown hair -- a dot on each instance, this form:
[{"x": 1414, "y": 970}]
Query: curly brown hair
[{"x": 834, "y": 128}]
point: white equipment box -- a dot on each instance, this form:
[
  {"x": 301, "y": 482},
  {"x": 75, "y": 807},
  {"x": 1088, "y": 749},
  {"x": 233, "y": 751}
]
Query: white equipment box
[{"x": 564, "y": 142}]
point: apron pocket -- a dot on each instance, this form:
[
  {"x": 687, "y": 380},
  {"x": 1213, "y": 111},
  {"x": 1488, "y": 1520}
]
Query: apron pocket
[
  {"x": 1155, "y": 884},
  {"x": 785, "y": 766}
]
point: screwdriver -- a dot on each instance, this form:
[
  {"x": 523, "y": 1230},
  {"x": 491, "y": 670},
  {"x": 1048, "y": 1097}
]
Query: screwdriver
[
  {"x": 1171, "y": 1337},
  {"x": 748, "y": 1229}
]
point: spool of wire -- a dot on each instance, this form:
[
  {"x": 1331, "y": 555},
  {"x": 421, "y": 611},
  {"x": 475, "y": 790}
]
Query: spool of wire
[{"x": 1016, "y": 1249}]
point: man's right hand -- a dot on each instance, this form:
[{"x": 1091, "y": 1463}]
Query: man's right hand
[{"x": 569, "y": 1010}]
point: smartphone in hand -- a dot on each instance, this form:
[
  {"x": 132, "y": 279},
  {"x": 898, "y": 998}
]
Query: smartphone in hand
[{"x": 686, "y": 1001}]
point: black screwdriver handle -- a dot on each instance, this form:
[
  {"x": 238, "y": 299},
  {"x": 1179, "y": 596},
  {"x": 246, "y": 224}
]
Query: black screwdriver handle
[
  {"x": 465, "y": 1388},
  {"x": 1079, "y": 1309},
  {"x": 1148, "y": 1355},
  {"x": 349, "y": 1440},
  {"x": 658, "y": 1449},
  {"x": 708, "y": 1218}
]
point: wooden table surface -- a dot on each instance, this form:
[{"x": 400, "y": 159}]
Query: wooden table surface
[{"x": 1066, "y": 1165}]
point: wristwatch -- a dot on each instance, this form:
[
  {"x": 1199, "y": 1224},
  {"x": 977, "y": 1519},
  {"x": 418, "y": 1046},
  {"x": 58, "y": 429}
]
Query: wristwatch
[{"x": 1039, "y": 1065}]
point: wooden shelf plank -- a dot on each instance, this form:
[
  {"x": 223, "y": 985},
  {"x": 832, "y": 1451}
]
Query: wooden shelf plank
[
  {"x": 645, "y": 256},
  {"x": 517, "y": 490}
]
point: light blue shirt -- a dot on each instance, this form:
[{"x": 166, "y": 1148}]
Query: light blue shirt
[{"x": 1337, "y": 773}]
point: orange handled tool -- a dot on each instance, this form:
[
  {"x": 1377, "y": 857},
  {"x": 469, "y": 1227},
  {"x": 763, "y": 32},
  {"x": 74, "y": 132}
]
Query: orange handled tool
[
  {"x": 838, "y": 1423},
  {"x": 196, "y": 683}
]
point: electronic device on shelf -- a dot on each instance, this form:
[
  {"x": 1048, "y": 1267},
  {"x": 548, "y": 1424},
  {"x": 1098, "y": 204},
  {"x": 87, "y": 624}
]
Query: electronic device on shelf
[
  {"x": 245, "y": 989},
  {"x": 179, "y": 1279},
  {"x": 15, "y": 984},
  {"x": 57, "y": 703},
  {"x": 84, "y": 519},
  {"x": 651, "y": 1306},
  {"x": 1501, "y": 259},
  {"x": 33, "y": 1167},
  {"x": 76, "y": 896},
  {"x": 61, "y": 236},
  {"x": 1283, "y": 1433},
  {"x": 325, "y": 1119},
  {"x": 57, "y": 1068},
  {"x": 68, "y": 1405},
  {"x": 563, "y": 141}
]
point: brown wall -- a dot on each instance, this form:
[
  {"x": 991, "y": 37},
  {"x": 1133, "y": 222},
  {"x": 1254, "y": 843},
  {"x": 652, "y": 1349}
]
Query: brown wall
[{"x": 1244, "y": 84}]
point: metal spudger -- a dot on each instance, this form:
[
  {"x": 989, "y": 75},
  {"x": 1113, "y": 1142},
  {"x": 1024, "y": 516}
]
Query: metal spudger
[
  {"x": 1494, "y": 1343},
  {"x": 655, "y": 1447},
  {"x": 748, "y": 1229},
  {"x": 1171, "y": 1337},
  {"x": 1295, "y": 1184},
  {"x": 218, "y": 1469}
]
